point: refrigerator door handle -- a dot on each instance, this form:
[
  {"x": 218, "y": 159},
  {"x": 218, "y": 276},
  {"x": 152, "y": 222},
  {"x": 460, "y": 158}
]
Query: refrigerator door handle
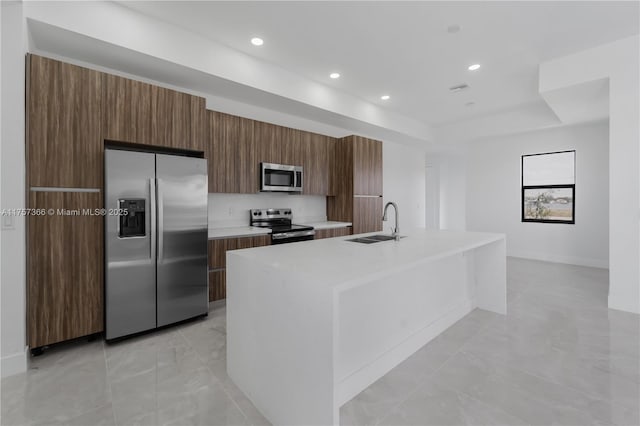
[
  {"x": 160, "y": 213},
  {"x": 152, "y": 219}
]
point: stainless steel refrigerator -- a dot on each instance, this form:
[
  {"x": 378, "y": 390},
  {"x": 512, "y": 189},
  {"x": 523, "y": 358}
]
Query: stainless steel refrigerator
[{"x": 156, "y": 248}]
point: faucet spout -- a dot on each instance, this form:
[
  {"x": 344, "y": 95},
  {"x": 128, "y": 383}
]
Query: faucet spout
[{"x": 396, "y": 230}]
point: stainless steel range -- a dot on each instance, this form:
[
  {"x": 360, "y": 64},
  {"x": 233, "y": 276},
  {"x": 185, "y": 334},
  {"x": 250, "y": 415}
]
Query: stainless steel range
[{"x": 282, "y": 230}]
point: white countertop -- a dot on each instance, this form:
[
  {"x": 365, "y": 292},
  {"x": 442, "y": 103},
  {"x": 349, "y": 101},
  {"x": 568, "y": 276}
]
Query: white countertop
[
  {"x": 338, "y": 262},
  {"x": 237, "y": 231},
  {"x": 327, "y": 224}
]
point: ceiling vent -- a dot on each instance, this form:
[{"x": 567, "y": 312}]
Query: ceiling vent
[{"x": 458, "y": 88}]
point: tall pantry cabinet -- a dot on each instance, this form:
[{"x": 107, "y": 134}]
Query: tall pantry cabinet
[
  {"x": 64, "y": 174},
  {"x": 356, "y": 184}
]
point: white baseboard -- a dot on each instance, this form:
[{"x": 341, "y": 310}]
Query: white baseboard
[
  {"x": 13, "y": 364},
  {"x": 625, "y": 304},
  {"x": 570, "y": 260}
]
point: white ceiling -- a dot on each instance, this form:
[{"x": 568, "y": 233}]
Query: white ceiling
[{"x": 404, "y": 49}]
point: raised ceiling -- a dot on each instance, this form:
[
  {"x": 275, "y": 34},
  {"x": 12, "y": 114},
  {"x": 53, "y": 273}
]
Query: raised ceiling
[{"x": 404, "y": 49}]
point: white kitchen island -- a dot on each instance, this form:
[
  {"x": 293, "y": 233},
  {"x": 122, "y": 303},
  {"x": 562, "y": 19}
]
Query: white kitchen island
[{"x": 312, "y": 324}]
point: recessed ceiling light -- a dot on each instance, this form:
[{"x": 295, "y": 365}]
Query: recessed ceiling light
[
  {"x": 474, "y": 67},
  {"x": 453, "y": 28},
  {"x": 334, "y": 75},
  {"x": 385, "y": 97},
  {"x": 257, "y": 41}
]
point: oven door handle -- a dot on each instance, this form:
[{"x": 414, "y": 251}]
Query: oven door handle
[{"x": 283, "y": 235}]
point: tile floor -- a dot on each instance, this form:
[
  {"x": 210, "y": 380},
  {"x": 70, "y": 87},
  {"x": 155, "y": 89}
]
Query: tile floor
[{"x": 559, "y": 357}]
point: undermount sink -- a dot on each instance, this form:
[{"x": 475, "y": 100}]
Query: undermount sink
[{"x": 373, "y": 239}]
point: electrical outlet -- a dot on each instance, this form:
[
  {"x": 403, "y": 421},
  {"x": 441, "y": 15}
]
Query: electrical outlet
[
  {"x": 230, "y": 211},
  {"x": 8, "y": 223}
]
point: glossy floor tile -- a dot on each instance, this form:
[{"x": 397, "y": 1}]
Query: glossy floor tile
[{"x": 559, "y": 357}]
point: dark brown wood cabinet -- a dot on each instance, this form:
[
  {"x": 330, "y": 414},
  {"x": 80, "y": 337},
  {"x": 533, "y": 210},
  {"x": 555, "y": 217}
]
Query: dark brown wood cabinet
[
  {"x": 356, "y": 184},
  {"x": 367, "y": 214},
  {"x": 367, "y": 166},
  {"x": 269, "y": 140},
  {"x": 292, "y": 146},
  {"x": 218, "y": 249},
  {"x": 127, "y": 110},
  {"x": 332, "y": 232},
  {"x": 231, "y": 153},
  {"x": 236, "y": 146},
  {"x": 141, "y": 113},
  {"x": 65, "y": 268},
  {"x": 177, "y": 119},
  {"x": 315, "y": 160},
  {"x": 64, "y": 124}
]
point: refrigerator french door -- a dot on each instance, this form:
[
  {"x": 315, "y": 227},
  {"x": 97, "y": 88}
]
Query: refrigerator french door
[{"x": 155, "y": 240}]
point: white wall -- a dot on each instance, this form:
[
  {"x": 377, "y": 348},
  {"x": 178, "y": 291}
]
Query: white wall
[
  {"x": 619, "y": 62},
  {"x": 494, "y": 194},
  {"x": 451, "y": 170},
  {"x": 12, "y": 261},
  {"x": 404, "y": 183},
  {"x": 227, "y": 210}
]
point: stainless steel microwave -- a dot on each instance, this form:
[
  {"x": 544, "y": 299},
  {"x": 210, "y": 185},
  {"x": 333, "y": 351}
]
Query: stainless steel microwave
[{"x": 280, "y": 177}]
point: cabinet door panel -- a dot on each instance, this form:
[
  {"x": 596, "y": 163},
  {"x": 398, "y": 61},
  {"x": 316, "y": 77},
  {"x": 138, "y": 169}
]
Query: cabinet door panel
[
  {"x": 341, "y": 232},
  {"x": 322, "y": 234},
  {"x": 217, "y": 249},
  {"x": 215, "y": 153},
  {"x": 176, "y": 119},
  {"x": 246, "y": 160},
  {"x": 361, "y": 166},
  {"x": 127, "y": 110},
  {"x": 217, "y": 285},
  {"x": 291, "y": 146},
  {"x": 367, "y": 214},
  {"x": 64, "y": 125},
  {"x": 230, "y": 150},
  {"x": 317, "y": 171},
  {"x": 261, "y": 240},
  {"x": 64, "y": 263},
  {"x": 375, "y": 153},
  {"x": 268, "y": 139},
  {"x": 331, "y": 158},
  {"x": 367, "y": 166}
]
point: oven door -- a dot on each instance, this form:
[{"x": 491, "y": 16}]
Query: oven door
[{"x": 280, "y": 177}]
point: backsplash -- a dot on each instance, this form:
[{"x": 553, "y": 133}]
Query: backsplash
[{"x": 227, "y": 210}]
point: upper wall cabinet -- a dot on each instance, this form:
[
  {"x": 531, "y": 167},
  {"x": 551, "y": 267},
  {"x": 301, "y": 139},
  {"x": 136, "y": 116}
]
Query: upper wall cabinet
[
  {"x": 231, "y": 153},
  {"x": 64, "y": 123},
  {"x": 141, "y": 113},
  {"x": 177, "y": 119},
  {"x": 127, "y": 110},
  {"x": 269, "y": 139},
  {"x": 315, "y": 160}
]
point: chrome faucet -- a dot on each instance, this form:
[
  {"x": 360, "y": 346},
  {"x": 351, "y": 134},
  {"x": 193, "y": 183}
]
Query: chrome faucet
[{"x": 396, "y": 230}]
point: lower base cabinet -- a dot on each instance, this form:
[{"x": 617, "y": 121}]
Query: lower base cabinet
[
  {"x": 332, "y": 232},
  {"x": 218, "y": 260},
  {"x": 64, "y": 267},
  {"x": 217, "y": 288}
]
